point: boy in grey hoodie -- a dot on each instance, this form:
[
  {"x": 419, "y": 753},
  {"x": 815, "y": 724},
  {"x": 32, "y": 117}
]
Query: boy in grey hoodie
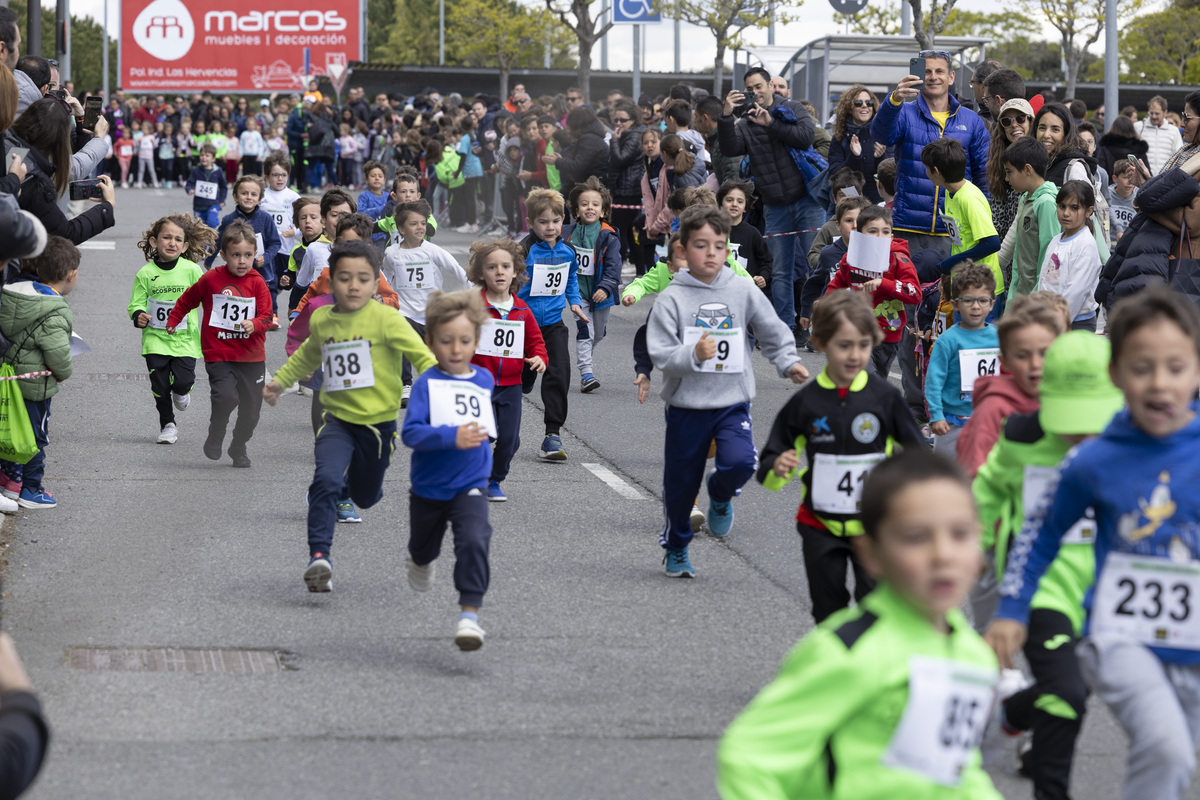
[{"x": 697, "y": 337}]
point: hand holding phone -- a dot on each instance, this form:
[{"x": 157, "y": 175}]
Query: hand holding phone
[
  {"x": 916, "y": 66},
  {"x": 91, "y": 112},
  {"x": 86, "y": 190}
]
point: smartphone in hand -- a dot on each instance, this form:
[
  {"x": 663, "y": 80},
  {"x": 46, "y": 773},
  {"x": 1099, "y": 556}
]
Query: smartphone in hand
[
  {"x": 91, "y": 112},
  {"x": 916, "y": 66},
  {"x": 86, "y": 190}
]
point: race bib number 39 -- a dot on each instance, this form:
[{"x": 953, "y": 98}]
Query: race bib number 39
[
  {"x": 502, "y": 338},
  {"x": 229, "y": 312},
  {"x": 731, "y": 348},
  {"x": 838, "y": 480},
  {"x": 455, "y": 403},
  {"x": 347, "y": 365},
  {"x": 1148, "y": 599},
  {"x": 159, "y": 310},
  {"x": 943, "y": 722},
  {"x": 975, "y": 364},
  {"x": 549, "y": 280},
  {"x": 206, "y": 189}
]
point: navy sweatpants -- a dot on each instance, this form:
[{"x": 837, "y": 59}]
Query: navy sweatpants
[
  {"x": 348, "y": 456},
  {"x": 506, "y": 405},
  {"x": 685, "y": 452},
  {"x": 467, "y": 515}
]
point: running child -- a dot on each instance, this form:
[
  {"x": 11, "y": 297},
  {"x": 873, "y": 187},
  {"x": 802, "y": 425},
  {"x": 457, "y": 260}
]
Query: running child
[
  {"x": 1025, "y": 164},
  {"x": 746, "y": 242},
  {"x": 206, "y": 184},
  {"x": 890, "y": 698},
  {"x": 373, "y": 198},
  {"x": 173, "y": 246},
  {"x": 247, "y": 194},
  {"x": 354, "y": 341},
  {"x": 335, "y": 204},
  {"x": 1072, "y": 265},
  {"x": 278, "y": 201},
  {"x": 510, "y": 339},
  {"x": 236, "y": 314},
  {"x": 845, "y": 422},
  {"x": 966, "y": 351},
  {"x": 597, "y": 249},
  {"x": 697, "y": 338},
  {"x": 447, "y": 425},
  {"x": 846, "y": 218},
  {"x": 552, "y": 288},
  {"x": 406, "y": 188},
  {"x": 306, "y": 219},
  {"x": 415, "y": 268}
]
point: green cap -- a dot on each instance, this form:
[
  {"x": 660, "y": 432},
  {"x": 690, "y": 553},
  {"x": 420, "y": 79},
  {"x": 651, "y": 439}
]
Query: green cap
[{"x": 1077, "y": 394}]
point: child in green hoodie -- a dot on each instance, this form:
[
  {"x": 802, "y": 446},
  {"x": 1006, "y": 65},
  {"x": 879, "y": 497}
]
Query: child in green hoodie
[{"x": 1025, "y": 163}]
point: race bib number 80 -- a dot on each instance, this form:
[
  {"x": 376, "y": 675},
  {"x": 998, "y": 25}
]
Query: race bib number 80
[{"x": 502, "y": 338}]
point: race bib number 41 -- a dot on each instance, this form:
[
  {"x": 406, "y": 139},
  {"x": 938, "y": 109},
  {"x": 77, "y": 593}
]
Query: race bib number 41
[
  {"x": 159, "y": 310},
  {"x": 975, "y": 364},
  {"x": 1148, "y": 599},
  {"x": 347, "y": 365},
  {"x": 455, "y": 403},
  {"x": 838, "y": 480},
  {"x": 731, "y": 348},
  {"x": 229, "y": 312},
  {"x": 502, "y": 338},
  {"x": 549, "y": 280}
]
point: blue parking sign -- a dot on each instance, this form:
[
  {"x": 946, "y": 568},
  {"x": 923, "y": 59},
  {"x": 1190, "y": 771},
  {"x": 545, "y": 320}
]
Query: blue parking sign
[{"x": 635, "y": 11}]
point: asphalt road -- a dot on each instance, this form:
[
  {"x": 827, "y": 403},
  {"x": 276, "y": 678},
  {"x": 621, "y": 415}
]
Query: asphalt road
[{"x": 600, "y": 677}]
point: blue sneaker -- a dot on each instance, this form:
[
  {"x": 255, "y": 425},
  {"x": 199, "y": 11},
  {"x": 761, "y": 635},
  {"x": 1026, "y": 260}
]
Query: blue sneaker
[
  {"x": 318, "y": 577},
  {"x": 346, "y": 512},
  {"x": 39, "y": 498},
  {"x": 720, "y": 517},
  {"x": 589, "y": 383},
  {"x": 677, "y": 564},
  {"x": 495, "y": 493},
  {"x": 552, "y": 449}
]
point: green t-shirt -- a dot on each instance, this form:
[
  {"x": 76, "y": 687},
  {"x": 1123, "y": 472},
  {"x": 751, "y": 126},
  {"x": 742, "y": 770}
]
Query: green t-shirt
[
  {"x": 387, "y": 225},
  {"x": 969, "y": 219},
  {"x": 155, "y": 291}
]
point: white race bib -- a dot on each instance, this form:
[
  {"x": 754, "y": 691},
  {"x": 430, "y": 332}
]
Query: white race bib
[
  {"x": 502, "y": 338},
  {"x": 731, "y": 348},
  {"x": 837, "y": 481},
  {"x": 1033, "y": 495},
  {"x": 206, "y": 189},
  {"x": 587, "y": 260},
  {"x": 280, "y": 217},
  {"x": 414, "y": 275},
  {"x": 258, "y": 245},
  {"x": 159, "y": 310},
  {"x": 549, "y": 280},
  {"x": 1149, "y": 599},
  {"x": 229, "y": 312},
  {"x": 943, "y": 722},
  {"x": 347, "y": 365},
  {"x": 975, "y": 364},
  {"x": 455, "y": 403},
  {"x": 953, "y": 230}
]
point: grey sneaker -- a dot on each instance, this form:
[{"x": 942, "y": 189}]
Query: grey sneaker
[{"x": 420, "y": 578}]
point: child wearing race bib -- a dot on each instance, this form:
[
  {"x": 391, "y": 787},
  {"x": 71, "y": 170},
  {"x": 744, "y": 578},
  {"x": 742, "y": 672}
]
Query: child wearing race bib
[
  {"x": 967, "y": 351},
  {"x": 1072, "y": 265},
  {"x": 355, "y": 342},
  {"x": 306, "y": 218},
  {"x": 889, "y": 699},
  {"x": 697, "y": 338},
  {"x": 406, "y": 188},
  {"x": 207, "y": 186},
  {"x": 553, "y": 286},
  {"x": 890, "y": 291},
  {"x": 372, "y": 198},
  {"x": 1140, "y": 651},
  {"x": 845, "y": 422},
  {"x": 1024, "y": 338},
  {"x": 1009, "y": 488},
  {"x": 746, "y": 242},
  {"x": 510, "y": 340},
  {"x": 846, "y": 217},
  {"x": 1025, "y": 164},
  {"x": 247, "y": 193},
  {"x": 598, "y": 252},
  {"x": 278, "y": 201},
  {"x": 173, "y": 245},
  {"x": 447, "y": 425},
  {"x": 236, "y": 312},
  {"x": 335, "y": 204},
  {"x": 350, "y": 228},
  {"x": 415, "y": 268},
  {"x": 124, "y": 149}
]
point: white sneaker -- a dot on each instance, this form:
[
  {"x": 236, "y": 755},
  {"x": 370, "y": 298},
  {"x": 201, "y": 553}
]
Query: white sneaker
[
  {"x": 169, "y": 434},
  {"x": 468, "y": 635},
  {"x": 420, "y": 578},
  {"x": 8, "y": 505},
  {"x": 180, "y": 401},
  {"x": 404, "y": 395},
  {"x": 304, "y": 391},
  {"x": 698, "y": 519}
]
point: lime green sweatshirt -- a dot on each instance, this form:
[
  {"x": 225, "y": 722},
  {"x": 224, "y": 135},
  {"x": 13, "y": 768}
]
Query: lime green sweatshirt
[
  {"x": 389, "y": 337},
  {"x": 870, "y": 704},
  {"x": 155, "y": 291},
  {"x": 658, "y": 276}
]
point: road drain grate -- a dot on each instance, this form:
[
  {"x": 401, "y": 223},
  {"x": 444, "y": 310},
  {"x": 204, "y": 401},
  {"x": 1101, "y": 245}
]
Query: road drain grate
[{"x": 173, "y": 659}]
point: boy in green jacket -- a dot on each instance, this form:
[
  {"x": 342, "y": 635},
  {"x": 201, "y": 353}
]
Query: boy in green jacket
[
  {"x": 1025, "y": 163},
  {"x": 34, "y": 316},
  {"x": 890, "y": 698},
  {"x": 1078, "y": 401}
]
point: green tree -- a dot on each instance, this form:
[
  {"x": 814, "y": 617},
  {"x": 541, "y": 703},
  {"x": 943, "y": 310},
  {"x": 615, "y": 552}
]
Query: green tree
[
  {"x": 1000, "y": 27},
  {"x": 413, "y": 37},
  {"x": 500, "y": 33},
  {"x": 875, "y": 20},
  {"x": 86, "y": 46},
  {"x": 381, "y": 16},
  {"x": 583, "y": 19},
  {"x": 1163, "y": 47},
  {"x": 727, "y": 20},
  {"x": 1080, "y": 24}
]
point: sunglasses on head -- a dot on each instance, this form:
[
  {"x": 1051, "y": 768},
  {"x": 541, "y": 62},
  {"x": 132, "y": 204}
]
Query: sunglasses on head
[
  {"x": 861, "y": 103},
  {"x": 1020, "y": 119}
]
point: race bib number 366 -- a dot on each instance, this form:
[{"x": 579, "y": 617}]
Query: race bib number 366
[
  {"x": 229, "y": 312},
  {"x": 455, "y": 403}
]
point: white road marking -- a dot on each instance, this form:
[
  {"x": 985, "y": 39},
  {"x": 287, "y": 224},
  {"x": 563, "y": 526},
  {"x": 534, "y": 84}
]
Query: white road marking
[
  {"x": 98, "y": 244},
  {"x": 614, "y": 482}
]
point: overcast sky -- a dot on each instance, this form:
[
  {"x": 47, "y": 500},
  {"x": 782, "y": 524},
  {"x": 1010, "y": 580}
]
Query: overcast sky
[{"x": 697, "y": 48}]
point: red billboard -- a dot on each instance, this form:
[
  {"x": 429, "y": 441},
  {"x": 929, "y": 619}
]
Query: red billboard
[{"x": 224, "y": 45}]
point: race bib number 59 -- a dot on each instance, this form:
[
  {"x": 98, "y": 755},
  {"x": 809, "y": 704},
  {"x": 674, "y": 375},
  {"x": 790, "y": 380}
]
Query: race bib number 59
[{"x": 455, "y": 403}]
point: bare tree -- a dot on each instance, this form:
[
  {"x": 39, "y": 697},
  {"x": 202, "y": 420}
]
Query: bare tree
[
  {"x": 1081, "y": 23},
  {"x": 927, "y": 27},
  {"x": 727, "y": 19},
  {"x": 587, "y": 29}
]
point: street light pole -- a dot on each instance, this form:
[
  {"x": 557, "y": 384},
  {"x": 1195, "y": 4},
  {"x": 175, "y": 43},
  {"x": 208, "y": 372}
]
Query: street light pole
[
  {"x": 104, "y": 55},
  {"x": 441, "y": 33}
]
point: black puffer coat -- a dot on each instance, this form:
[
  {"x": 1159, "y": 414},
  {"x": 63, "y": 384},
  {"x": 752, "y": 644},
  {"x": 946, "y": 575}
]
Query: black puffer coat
[
  {"x": 587, "y": 156},
  {"x": 777, "y": 179},
  {"x": 1142, "y": 256},
  {"x": 626, "y": 165},
  {"x": 1114, "y": 148},
  {"x": 40, "y": 197}
]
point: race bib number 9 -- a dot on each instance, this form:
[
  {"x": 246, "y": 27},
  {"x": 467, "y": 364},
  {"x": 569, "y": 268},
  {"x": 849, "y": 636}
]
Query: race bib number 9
[
  {"x": 159, "y": 311},
  {"x": 731, "y": 348},
  {"x": 549, "y": 280},
  {"x": 347, "y": 365},
  {"x": 975, "y": 364},
  {"x": 502, "y": 338},
  {"x": 456, "y": 403},
  {"x": 206, "y": 189},
  {"x": 838, "y": 480},
  {"x": 229, "y": 312},
  {"x": 1148, "y": 599},
  {"x": 943, "y": 722}
]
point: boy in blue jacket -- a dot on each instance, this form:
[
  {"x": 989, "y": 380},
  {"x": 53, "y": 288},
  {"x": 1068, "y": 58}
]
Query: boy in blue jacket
[
  {"x": 598, "y": 250},
  {"x": 1141, "y": 648},
  {"x": 553, "y": 286},
  {"x": 207, "y": 186},
  {"x": 247, "y": 193}
]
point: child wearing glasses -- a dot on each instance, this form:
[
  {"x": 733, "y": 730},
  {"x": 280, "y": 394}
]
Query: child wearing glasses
[{"x": 966, "y": 351}]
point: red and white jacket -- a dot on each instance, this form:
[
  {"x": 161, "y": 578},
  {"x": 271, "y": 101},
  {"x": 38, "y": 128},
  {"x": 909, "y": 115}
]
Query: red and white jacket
[{"x": 507, "y": 371}]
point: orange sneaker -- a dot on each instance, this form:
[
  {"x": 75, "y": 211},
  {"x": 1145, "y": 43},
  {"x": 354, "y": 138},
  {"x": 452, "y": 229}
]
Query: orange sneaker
[{"x": 274, "y": 326}]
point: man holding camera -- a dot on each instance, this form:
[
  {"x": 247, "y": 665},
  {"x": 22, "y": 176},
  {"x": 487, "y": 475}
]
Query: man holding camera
[{"x": 770, "y": 128}]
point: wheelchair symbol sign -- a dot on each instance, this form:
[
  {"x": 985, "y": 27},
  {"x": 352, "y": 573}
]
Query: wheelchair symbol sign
[{"x": 635, "y": 11}]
